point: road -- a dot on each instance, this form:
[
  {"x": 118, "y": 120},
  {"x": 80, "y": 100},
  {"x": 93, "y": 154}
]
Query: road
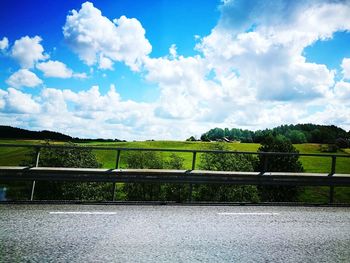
[{"x": 86, "y": 233}]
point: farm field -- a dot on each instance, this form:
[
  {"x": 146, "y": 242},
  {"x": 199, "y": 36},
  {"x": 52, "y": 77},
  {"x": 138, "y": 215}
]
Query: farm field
[{"x": 107, "y": 158}]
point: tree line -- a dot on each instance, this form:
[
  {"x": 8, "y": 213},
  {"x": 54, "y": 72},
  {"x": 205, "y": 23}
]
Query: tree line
[
  {"x": 300, "y": 133},
  {"x": 8, "y": 132}
]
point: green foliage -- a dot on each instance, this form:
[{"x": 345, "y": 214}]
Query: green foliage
[
  {"x": 226, "y": 162},
  {"x": 21, "y": 190},
  {"x": 175, "y": 192},
  {"x": 342, "y": 143},
  {"x": 279, "y": 163},
  {"x": 233, "y": 134},
  {"x": 296, "y": 136},
  {"x": 300, "y": 133},
  {"x": 149, "y": 191},
  {"x": 143, "y": 160},
  {"x": 191, "y": 139},
  {"x": 66, "y": 157},
  {"x": 73, "y": 158},
  {"x": 288, "y": 163},
  {"x": 328, "y": 148}
]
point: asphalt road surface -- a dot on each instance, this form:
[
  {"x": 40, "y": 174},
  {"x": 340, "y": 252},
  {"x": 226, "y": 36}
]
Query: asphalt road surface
[{"x": 85, "y": 233}]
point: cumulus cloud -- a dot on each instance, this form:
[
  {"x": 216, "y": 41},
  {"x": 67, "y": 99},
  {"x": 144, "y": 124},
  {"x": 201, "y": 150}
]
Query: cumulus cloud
[
  {"x": 17, "y": 102},
  {"x": 86, "y": 111},
  {"x": 55, "y": 69},
  {"x": 4, "y": 43},
  {"x": 28, "y": 51},
  {"x": 252, "y": 69},
  {"x": 82, "y": 75},
  {"x": 105, "y": 63},
  {"x": 23, "y": 78},
  {"x": 346, "y": 68},
  {"x": 269, "y": 56},
  {"x": 342, "y": 92},
  {"x": 183, "y": 84},
  {"x": 251, "y": 73},
  {"x": 96, "y": 39}
]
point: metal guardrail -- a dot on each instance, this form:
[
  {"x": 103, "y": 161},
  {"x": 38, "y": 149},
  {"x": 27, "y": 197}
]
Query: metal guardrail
[{"x": 272, "y": 179}]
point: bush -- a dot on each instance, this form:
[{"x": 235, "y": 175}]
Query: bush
[
  {"x": 342, "y": 143},
  {"x": 329, "y": 148},
  {"x": 278, "y": 164},
  {"x": 150, "y": 191},
  {"x": 226, "y": 162},
  {"x": 143, "y": 191},
  {"x": 73, "y": 158}
]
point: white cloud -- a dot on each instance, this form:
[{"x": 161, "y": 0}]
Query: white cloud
[
  {"x": 342, "y": 92},
  {"x": 254, "y": 74},
  {"x": 80, "y": 75},
  {"x": 4, "y": 43},
  {"x": 23, "y": 78},
  {"x": 55, "y": 69},
  {"x": 28, "y": 51},
  {"x": 332, "y": 115},
  {"x": 14, "y": 101},
  {"x": 93, "y": 36},
  {"x": 183, "y": 84},
  {"x": 251, "y": 73},
  {"x": 173, "y": 51},
  {"x": 105, "y": 63},
  {"x": 268, "y": 58},
  {"x": 90, "y": 109},
  {"x": 346, "y": 68}
]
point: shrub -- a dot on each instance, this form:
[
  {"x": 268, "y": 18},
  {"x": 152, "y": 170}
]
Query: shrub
[
  {"x": 222, "y": 192},
  {"x": 73, "y": 158},
  {"x": 289, "y": 163}
]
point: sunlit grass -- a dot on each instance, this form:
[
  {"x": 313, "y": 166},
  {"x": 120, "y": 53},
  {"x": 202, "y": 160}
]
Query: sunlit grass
[{"x": 107, "y": 158}]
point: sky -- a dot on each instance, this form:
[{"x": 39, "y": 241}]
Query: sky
[{"x": 162, "y": 69}]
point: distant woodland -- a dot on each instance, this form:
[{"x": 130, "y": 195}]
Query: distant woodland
[
  {"x": 300, "y": 133},
  {"x": 8, "y": 132}
]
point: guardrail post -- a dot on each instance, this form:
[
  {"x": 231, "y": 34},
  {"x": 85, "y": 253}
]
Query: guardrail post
[
  {"x": 36, "y": 165},
  {"x": 265, "y": 162},
  {"x": 116, "y": 167},
  {"x": 117, "y": 160},
  {"x": 193, "y": 167},
  {"x": 194, "y": 160},
  {"x": 331, "y": 188}
]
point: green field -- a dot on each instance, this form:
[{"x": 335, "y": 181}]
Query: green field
[{"x": 17, "y": 156}]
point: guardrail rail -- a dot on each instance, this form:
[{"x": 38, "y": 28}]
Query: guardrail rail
[{"x": 193, "y": 176}]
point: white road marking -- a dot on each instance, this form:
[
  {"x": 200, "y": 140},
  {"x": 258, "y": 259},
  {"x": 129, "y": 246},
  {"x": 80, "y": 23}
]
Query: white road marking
[
  {"x": 81, "y": 213},
  {"x": 247, "y": 214}
]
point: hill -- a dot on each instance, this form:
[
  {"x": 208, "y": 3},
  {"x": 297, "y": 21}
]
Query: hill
[{"x": 8, "y": 132}]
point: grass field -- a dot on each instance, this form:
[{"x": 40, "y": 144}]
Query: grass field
[{"x": 17, "y": 156}]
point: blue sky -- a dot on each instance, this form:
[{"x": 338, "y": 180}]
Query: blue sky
[{"x": 172, "y": 69}]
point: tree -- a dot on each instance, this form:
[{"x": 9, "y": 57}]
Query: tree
[
  {"x": 154, "y": 191},
  {"x": 143, "y": 191},
  {"x": 175, "y": 192},
  {"x": 226, "y": 162},
  {"x": 296, "y": 136},
  {"x": 191, "y": 139},
  {"x": 277, "y": 163},
  {"x": 342, "y": 143},
  {"x": 73, "y": 158}
]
